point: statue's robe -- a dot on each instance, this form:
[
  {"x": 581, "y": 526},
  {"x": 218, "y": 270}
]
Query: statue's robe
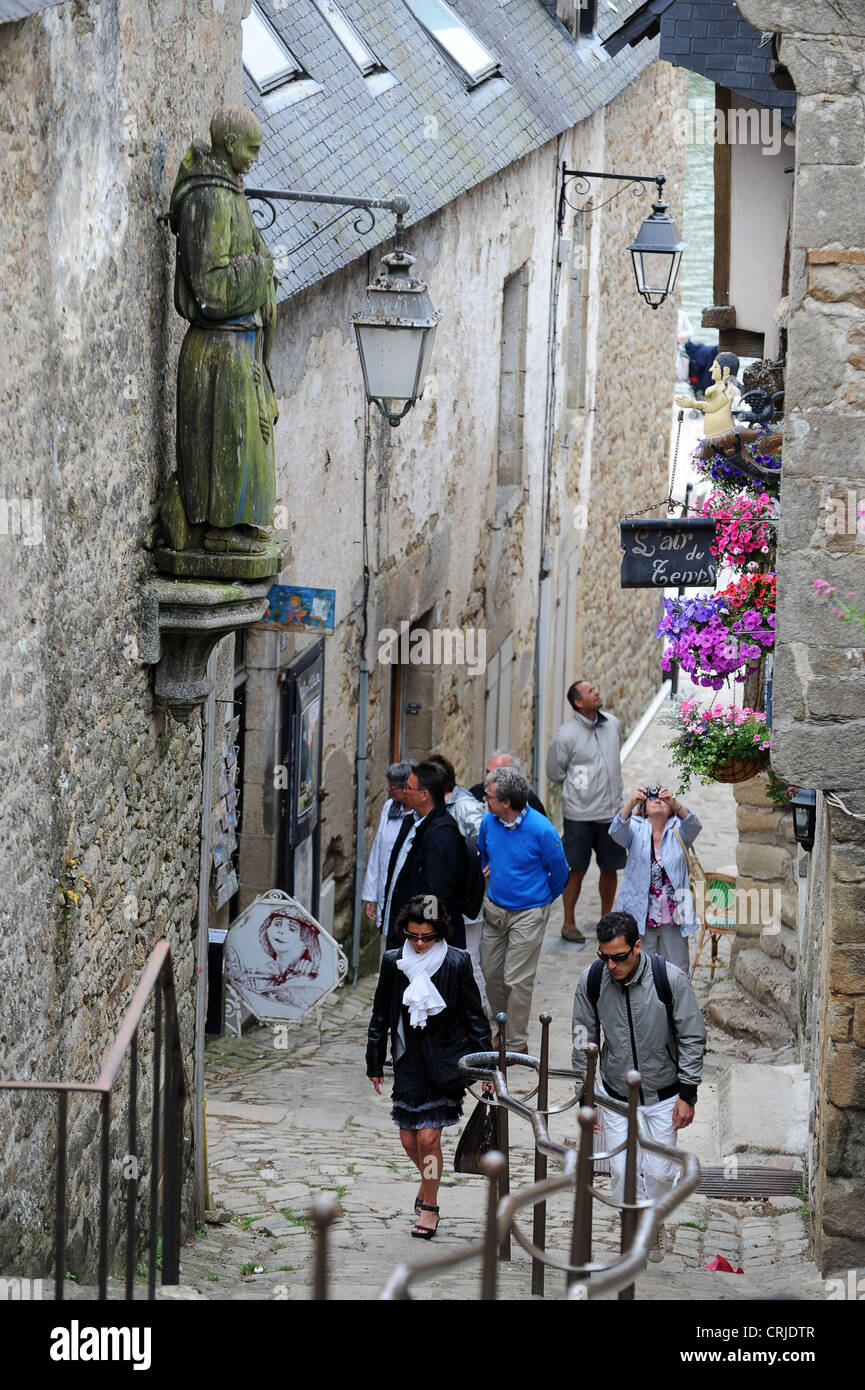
[{"x": 224, "y": 285}]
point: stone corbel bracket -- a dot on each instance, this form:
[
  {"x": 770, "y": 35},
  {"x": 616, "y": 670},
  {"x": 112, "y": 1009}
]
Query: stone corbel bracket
[{"x": 182, "y": 621}]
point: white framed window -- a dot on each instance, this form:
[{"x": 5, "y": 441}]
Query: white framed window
[
  {"x": 359, "y": 51},
  {"x": 265, "y": 56},
  {"x": 454, "y": 36}
]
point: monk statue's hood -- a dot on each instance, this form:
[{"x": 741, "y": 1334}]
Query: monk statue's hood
[{"x": 200, "y": 168}]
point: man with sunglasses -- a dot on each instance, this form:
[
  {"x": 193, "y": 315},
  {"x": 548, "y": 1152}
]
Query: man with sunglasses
[{"x": 651, "y": 1023}]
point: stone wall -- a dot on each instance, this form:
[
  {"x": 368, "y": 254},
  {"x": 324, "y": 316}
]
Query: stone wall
[
  {"x": 449, "y": 545},
  {"x": 765, "y": 948},
  {"x": 97, "y": 104},
  {"x": 818, "y": 736}
]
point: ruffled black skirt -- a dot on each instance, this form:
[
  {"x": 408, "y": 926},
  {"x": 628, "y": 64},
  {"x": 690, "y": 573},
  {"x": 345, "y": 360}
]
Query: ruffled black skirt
[{"x": 418, "y": 1102}]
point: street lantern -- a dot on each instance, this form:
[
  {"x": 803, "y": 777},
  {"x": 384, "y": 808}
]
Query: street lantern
[
  {"x": 396, "y": 326},
  {"x": 395, "y": 334},
  {"x": 805, "y": 817},
  {"x": 657, "y": 252}
]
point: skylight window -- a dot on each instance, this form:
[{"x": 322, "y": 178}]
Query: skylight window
[
  {"x": 348, "y": 36},
  {"x": 265, "y": 57},
  {"x": 457, "y": 40}
]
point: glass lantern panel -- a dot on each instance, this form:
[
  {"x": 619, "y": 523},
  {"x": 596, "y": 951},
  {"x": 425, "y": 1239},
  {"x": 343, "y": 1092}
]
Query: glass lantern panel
[
  {"x": 390, "y": 358},
  {"x": 429, "y": 339}
]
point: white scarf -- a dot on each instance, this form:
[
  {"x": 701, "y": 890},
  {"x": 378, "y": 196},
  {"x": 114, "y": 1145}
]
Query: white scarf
[{"x": 421, "y": 997}]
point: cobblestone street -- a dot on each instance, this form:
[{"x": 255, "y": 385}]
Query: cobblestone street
[{"x": 285, "y": 1125}]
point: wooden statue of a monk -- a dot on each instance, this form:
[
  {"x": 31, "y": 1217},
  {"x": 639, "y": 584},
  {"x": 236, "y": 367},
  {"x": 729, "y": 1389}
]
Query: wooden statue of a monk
[{"x": 224, "y": 492}]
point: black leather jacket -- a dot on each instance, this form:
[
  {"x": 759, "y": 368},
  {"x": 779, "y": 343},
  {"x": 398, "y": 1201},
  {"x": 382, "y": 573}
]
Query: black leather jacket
[
  {"x": 436, "y": 863},
  {"x": 460, "y": 1028}
]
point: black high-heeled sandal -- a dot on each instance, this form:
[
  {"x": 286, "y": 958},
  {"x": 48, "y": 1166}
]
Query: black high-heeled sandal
[
  {"x": 418, "y": 1203},
  {"x": 424, "y": 1232}
]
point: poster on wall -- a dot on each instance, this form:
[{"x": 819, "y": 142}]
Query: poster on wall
[
  {"x": 279, "y": 962},
  {"x": 307, "y": 743},
  {"x": 298, "y": 609},
  {"x": 303, "y": 872}
]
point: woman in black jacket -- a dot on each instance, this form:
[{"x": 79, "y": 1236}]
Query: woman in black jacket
[{"x": 428, "y": 1001}]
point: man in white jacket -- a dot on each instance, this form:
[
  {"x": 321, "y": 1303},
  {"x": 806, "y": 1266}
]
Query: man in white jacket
[{"x": 388, "y": 828}]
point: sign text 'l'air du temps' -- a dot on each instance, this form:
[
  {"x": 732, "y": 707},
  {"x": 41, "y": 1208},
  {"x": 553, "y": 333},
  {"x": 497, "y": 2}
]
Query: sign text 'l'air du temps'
[{"x": 673, "y": 553}]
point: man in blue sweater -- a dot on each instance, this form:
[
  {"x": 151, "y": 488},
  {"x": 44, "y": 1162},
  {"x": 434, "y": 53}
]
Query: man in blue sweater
[{"x": 522, "y": 854}]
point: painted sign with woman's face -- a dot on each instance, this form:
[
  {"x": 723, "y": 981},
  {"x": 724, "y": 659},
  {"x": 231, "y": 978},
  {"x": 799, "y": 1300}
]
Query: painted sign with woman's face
[{"x": 278, "y": 960}]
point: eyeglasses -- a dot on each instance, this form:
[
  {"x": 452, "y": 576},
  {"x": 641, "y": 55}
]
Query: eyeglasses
[
  {"x": 619, "y": 958},
  {"x": 419, "y": 940}
]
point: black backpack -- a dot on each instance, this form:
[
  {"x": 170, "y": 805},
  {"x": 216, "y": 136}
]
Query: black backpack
[
  {"x": 474, "y": 883},
  {"x": 662, "y": 989}
]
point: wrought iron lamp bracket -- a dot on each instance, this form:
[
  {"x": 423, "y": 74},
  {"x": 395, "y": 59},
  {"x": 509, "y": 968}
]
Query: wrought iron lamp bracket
[
  {"x": 363, "y": 224},
  {"x": 577, "y": 181}
]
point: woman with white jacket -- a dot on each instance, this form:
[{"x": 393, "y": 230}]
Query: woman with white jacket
[{"x": 654, "y": 886}]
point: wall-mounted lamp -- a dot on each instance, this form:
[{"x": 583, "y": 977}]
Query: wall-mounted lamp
[
  {"x": 396, "y": 325},
  {"x": 656, "y": 250},
  {"x": 805, "y": 817}
]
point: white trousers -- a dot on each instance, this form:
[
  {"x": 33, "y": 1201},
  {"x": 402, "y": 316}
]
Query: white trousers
[
  {"x": 473, "y": 931},
  {"x": 655, "y": 1175}
]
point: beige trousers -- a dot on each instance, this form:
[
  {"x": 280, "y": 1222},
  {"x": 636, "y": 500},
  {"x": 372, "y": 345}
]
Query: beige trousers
[{"x": 511, "y": 947}]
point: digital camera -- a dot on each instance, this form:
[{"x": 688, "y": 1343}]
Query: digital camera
[{"x": 651, "y": 793}]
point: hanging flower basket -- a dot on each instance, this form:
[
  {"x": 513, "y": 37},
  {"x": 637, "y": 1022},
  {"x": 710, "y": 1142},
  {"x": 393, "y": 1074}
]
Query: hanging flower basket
[
  {"x": 735, "y": 769},
  {"x": 721, "y": 744}
]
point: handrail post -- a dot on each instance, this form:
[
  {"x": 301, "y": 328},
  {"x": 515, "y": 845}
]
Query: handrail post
[
  {"x": 539, "y": 1222},
  {"x": 587, "y": 1216},
  {"x": 60, "y": 1233},
  {"x": 132, "y": 1178},
  {"x": 579, "y": 1252},
  {"x": 504, "y": 1181},
  {"x": 493, "y": 1165},
  {"x": 629, "y": 1215},
  {"x": 104, "y": 1169},
  {"x": 173, "y": 1134},
  {"x": 154, "y": 1146},
  {"x": 322, "y": 1214}
]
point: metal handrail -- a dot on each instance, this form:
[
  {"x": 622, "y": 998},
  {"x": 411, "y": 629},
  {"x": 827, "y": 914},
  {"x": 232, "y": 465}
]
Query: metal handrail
[
  {"x": 166, "y": 1132},
  {"x": 640, "y": 1222}
]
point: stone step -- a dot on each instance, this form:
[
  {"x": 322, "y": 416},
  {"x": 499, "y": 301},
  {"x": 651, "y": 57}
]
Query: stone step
[
  {"x": 782, "y": 945},
  {"x": 730, "y": 1009},
  {"x": 769, "y": 982},
  {"x": 763, "y": 1109}
]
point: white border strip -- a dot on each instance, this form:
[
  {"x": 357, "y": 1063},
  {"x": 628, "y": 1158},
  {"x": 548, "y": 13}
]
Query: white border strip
[{"x": 645, "y": 720}]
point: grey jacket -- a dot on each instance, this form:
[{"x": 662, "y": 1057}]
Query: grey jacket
[
  {"x": 468, "y": 813},
  {"x": 636, "y": 1034},
  {"x": 586, "y": 758},
  {"x": 635, "y": 834}
]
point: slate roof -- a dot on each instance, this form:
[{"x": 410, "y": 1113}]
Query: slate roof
[
  {"x": 710, "y": 37},
  {"x": 428, "y": 136}
]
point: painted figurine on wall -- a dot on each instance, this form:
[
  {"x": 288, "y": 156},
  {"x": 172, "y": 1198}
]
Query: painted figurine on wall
[
  {"x": 223, "y": 493},
  {"x": 721, "y": 397}
]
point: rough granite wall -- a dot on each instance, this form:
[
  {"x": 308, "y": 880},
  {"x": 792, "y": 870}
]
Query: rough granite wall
[
  {"x": 818, "y": 735},
  {"x": 447, "y": 544},
  {"x": 97, "y": 103}
]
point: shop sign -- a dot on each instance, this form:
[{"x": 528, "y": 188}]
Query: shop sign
[
  {"x": 674, "y": 553},
  {"x": 279, "y": 961}
]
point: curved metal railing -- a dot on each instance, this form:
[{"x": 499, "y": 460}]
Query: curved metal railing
[{"x": 586, "y": 1279}]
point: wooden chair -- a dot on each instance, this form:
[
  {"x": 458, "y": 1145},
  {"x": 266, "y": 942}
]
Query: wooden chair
[{"x": 719, "y": 917}]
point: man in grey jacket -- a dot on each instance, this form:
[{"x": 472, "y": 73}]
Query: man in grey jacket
[
  {"x": 585, "y": 756},
  {"x": 640, "y": 1034}
]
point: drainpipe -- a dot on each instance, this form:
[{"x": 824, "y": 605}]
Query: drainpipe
[
  {"x": 360, "y": 817},
  {"x": 208, "y": 716}
]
